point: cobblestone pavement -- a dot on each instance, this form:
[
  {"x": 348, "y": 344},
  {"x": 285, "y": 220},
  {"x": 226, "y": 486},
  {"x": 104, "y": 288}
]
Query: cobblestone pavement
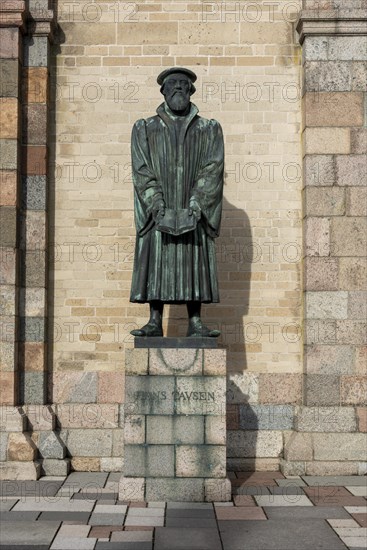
[{"x": 267, "y": 512}]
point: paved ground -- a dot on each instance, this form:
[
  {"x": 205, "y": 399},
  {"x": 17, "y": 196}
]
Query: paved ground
[{"x": 267, "y": 512}]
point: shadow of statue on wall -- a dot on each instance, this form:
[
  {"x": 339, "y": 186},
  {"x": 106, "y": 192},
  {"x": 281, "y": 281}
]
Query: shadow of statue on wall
[{"x": 234, "y": 250}]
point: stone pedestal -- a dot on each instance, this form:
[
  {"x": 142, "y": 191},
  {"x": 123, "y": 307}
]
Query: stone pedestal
[{"x": 175, "y": 425}]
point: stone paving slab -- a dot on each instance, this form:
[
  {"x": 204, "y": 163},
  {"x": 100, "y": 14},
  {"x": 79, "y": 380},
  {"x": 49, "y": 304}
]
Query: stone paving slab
[
  {"x": 88, "y": 477},
  {"x": 270, "y": 476},
  {"x": 111, "y": 509},
  {"x": 244, "y": 500},
  {"x": 358, "y": 491},
  {"x": 112, "y": 486},
  {"x": 114, "y": 476},
  {"x": 286, "y": 490},
  {"x": 241, "y": 513},
  {"x": 191, "y": 505},
  {"x": 355, "y": 542},
  {"x": 342, "y": 523},
  {"x": 57, "y": 505},
  {"x": 6, "y": 505},
  {"x": 106, "y": 519},
  {"x": 352, "y": 532},
  {"x": 283, "y": 500},
  {"x": 340, "y": 481},
  {"x": 124, "y": 546},
  {"x": 279, "y": 535},
  {"x": 68, "y": 491},
  {"x": 253, "y": 490},
  {"x": 92, "y": 488},
  {"x": 81, "y": 531},
  {"x": 104, "y": 531},
  {"x": 29, "y": 546},
  {"x": 191, "y": 523},
  {"x": 47, "y": 488},
  {"x": 356, "y": 509},
  {"x": 73, "y": 543},
  {"x": 361, "y": 519},
  {"x": 138, "y": 528},
  {"x": 53, "y": 478},
  {"x": 134, "y": 504},
  {"x": 169, "y": 538},
  {"x": 94, "y": 496},
  {"x": 149, "y": 521},
  {"x": 291, "y": 482},
  {"x": 305, "y": 512},
  {"x": 69, "y": 517},
  {"x": 29, "y": 533},
  {"x": 132, "y": 536},
  {"x": 18, "y": 516},
  {"x": 157, "y": 504},
  {"x": 333, "y": 495},
  {"x": 152, "y": 512},
  {"x": 190, "y": 513},
  {"x": 292, "y": 511}
]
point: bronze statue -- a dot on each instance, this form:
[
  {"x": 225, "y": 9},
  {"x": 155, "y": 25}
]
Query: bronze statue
[{"x": 177, "y": 168}]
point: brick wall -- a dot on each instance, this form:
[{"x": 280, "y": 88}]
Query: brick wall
[{"x": 248, "y": 67}]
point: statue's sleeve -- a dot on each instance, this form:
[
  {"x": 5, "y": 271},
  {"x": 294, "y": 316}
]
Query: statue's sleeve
[
  {"x": 147, "y": 189},
  {"x": 208, "y": 187}
]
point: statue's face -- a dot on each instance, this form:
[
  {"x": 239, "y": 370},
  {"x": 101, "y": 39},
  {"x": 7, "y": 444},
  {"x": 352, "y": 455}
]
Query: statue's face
[{"x": 177, "y": 92}]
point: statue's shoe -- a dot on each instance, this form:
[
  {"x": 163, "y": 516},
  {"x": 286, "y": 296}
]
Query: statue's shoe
[
  {"x": 201, "y": 331},
  {"x": 150, "y": 329}
]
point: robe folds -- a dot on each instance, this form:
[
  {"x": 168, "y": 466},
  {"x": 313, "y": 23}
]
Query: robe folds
[{"x": 176, "y": 158}]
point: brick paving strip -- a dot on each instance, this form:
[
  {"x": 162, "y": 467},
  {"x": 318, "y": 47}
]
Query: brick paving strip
[{"x": 267, "y": 512}]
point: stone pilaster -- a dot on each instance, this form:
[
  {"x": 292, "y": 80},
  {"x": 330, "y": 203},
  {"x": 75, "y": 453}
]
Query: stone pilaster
[
  {"x": 26, "y": 433},
  {"x": 12, "y": 15},
  {"x": 334, "y": 200},
  {"x": 33, "y": 291}
]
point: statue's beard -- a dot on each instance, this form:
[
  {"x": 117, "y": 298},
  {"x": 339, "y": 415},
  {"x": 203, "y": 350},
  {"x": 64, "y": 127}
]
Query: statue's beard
[{"x": 178, "y": 101}]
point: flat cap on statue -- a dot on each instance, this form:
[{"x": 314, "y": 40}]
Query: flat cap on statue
[{"x": 173, "y": 70}]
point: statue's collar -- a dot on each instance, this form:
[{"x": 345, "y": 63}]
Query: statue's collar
[{"x": 165, "y": 113}]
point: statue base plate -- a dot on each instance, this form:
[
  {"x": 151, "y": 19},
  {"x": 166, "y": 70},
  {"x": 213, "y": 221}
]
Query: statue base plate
[{"x": 165, "y": 342}]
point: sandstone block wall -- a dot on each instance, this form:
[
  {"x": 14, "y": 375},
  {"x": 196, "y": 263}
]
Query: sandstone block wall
[{"x": 329, "y": 436}]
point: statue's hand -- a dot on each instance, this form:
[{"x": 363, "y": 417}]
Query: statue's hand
[
  {"x": 158, "y": 210},
  {"x": 194, "y": 208}
]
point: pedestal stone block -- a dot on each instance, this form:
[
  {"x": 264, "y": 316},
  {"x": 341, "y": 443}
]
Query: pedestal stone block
[
  {"x": 217, "y": 490},
  {"x": 132, "y": 488},
  {"x": 181, "y": 361},
  {"x": 175, "y": 425},
  {"x": 149, "y": 460},
  {"x": 134, "y": 431},
  {"x": 183, "y": 490},
  {"x": 203, "y": 395},
  {"x": 149, "y": 395},
  {"x": 201, "y": 461},
  {"x": 175, "y": 430}
]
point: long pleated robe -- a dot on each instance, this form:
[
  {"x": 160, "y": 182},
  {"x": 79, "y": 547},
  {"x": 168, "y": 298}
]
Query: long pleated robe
[{"x": 176, "y": 158}]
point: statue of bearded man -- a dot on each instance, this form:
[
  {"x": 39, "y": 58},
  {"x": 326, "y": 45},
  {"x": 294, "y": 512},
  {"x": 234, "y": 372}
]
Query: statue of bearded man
[{"x": 177, "y": 169}]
